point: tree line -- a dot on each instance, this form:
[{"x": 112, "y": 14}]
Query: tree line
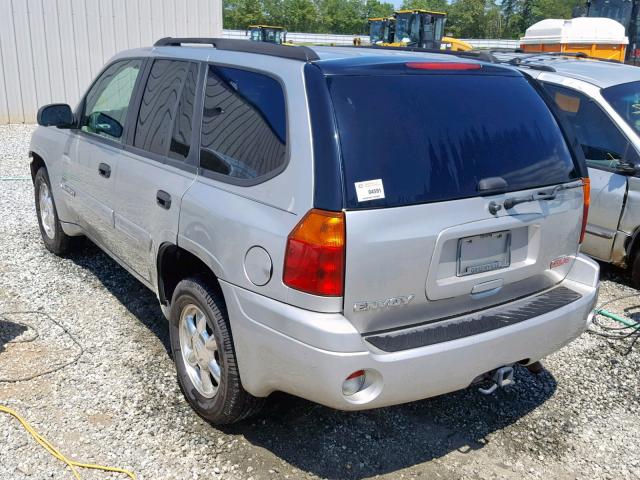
[{"x": 466, "y": 18}]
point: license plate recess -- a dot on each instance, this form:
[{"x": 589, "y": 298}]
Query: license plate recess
[{"x": 484, "y": 253}]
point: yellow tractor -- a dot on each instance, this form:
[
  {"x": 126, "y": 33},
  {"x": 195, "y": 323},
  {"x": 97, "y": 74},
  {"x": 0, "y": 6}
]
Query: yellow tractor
[
  {"x": 267, "y": 33},
  {"x": 381, "y": 30},
  {"x": 414, "y": 28}
]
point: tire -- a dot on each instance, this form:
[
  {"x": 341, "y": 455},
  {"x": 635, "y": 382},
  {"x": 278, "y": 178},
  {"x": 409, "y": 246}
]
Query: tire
[
  {"x": 196, "y": 343},
  {"x": 54, "y": 238},
  {"x": 635, "y": 270}
]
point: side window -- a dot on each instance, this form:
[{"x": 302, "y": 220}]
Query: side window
[
  {"x": 107, "y": 102},
  {"x": 164, "y": 119},
  {"x": 243, "y": 124},
  {"x": 603, "y": 144}
]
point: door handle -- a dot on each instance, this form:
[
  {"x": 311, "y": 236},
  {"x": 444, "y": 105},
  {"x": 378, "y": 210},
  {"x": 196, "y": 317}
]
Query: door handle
[
  {"x": 104, "y": 170},
  {"x": 163, "y": 199}
]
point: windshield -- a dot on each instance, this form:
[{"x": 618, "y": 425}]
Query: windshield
[
  {"x": 619, "y": 10},
  {"x": 407, "y": 28},
  {"x": 436, "y": 136},
  {"x": 625, "y": 99},
  {"x": 376, "y": 31}
]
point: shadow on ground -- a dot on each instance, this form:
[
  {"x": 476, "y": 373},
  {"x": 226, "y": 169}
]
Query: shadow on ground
[
  {"x": 333, "y": 444},
  {"x": 9, "y": 331},
  {"x": 132, "y": 294}
]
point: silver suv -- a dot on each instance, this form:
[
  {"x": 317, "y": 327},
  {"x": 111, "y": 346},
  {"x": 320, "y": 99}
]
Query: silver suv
[{"x": 357, "y": 227}]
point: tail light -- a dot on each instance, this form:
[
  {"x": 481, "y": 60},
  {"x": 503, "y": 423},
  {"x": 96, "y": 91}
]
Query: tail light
[
  {"x": 314, "y": 259},
  {"x": 586, "y": 189}
]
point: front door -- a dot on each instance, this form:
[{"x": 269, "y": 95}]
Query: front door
[
  {"x": 94, "y": 152},
  {"x": 604, "y": 147}
]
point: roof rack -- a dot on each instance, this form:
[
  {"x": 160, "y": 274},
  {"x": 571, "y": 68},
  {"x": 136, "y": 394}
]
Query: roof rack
[
  {"x": 528, "y": 55},
  {"x": 477, "y": 55},
  {"x": 304, "y": 54}
]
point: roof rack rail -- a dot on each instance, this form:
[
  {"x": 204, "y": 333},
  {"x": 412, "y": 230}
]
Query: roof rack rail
[
  {"x": 475, "y": 54},
  {"x": 304, "y": 54},
  {"x": 535, "y": 66},
  {"x": 552, "y": 54}
]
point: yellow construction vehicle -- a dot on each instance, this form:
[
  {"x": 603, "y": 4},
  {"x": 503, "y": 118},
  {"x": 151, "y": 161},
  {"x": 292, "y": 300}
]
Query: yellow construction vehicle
[
  {"x": 414, "y": 28},
  {"x": 267, "y": 33},
  {"x": 381, "y": 30}
]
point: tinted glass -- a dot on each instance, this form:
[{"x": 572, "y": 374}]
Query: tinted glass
[
  {"x": 431, "y": 138},
  {"x": 625, "y": 99},
  {"x": 243, "y": 124},
  {"x": 158, "y": 108},
  {"x": 107, "y": 102},
  {"x": 602, "y": 143},
  {"x": 182, "y": 127},
  {"x": 619, "y": 10}
]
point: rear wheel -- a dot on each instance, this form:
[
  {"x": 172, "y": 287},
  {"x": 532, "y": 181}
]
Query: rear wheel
[
  {"x": 205, "y": 359},
  {"x": 54, "y": 238}
]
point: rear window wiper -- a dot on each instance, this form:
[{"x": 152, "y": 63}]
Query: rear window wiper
[{"x": 548, "y": 194}]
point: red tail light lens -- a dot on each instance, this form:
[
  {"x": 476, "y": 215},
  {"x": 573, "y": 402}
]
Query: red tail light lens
[
  {"x": 443, "y": 66},
  {"x": 314, "y": 259},
  {"x": 586, "y": 188}
]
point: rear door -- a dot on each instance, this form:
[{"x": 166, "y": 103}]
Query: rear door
[
  {"x": 158, "y": 165},
  {"x": 430, "y": 167}
]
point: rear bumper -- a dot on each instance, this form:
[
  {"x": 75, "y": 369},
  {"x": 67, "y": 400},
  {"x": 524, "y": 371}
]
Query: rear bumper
[{"x": 308, "y": 354}]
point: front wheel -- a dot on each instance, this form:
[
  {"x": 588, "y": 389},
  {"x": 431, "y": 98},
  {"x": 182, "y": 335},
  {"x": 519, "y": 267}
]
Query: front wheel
[
  {"x": 204, "y": 355},
  {"x": 635, "y": 270},
  {"x": 54, "y": 238}
]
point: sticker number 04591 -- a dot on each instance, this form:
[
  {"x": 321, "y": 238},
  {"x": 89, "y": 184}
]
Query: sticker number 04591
[{"x": 369, "y": 190}]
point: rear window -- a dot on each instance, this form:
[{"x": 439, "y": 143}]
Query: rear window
[{"x": 430, "y": 138}]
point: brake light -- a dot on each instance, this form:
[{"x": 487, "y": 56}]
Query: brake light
[
  {"x": 443, "y": 66},
  {"x": 586, "y": 189},
  {"x": 314, "y": 259}
]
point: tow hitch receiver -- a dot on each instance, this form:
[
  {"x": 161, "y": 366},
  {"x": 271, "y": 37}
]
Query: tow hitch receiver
[{"x": 501, "y": 377}]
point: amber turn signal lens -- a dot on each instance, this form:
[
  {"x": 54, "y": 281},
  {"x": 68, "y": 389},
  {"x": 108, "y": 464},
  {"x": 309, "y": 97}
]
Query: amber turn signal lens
[
  {"x": 314, "y": 259},
  {"x": 586, "y": 189}
]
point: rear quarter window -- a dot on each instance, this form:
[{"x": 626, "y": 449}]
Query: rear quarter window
[
  {"x": 244, "y": 126},
  {"x": 432, "y": 138}
]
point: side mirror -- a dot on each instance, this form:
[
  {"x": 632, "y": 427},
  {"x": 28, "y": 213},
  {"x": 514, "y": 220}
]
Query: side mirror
[
  {"x": 102, "y": 123},
  {"x": 56, "y": 115},
  {"x": 627, "y": 168}
]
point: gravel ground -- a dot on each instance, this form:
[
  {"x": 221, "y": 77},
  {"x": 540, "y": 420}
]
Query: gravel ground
[{"x": 117, "y": 402}]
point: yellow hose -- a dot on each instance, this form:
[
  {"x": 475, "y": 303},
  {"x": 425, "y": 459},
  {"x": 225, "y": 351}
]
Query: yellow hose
[{"x": 72, "y": 464}]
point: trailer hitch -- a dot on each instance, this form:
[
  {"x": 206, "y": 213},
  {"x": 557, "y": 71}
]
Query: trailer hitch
[{"x": 501, "y": 377}]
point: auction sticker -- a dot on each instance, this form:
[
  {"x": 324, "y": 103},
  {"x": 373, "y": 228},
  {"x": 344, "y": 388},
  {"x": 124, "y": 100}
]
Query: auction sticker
[{"x": 369, "y": 190}]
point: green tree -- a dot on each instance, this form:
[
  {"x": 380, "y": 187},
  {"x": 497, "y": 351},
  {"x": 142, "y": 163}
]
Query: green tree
[
  {"x": 377, "y": 9},
  {"x": 238, "y": 14},
  {"x": 275, "y": 13},
  {"x": 301, "y": 16},
  {"x": 467, "y": 19},
  {"x": 342, "y": 16},
  {"x": 433, "y": 5},
  {"x": 493, "y": 20}
]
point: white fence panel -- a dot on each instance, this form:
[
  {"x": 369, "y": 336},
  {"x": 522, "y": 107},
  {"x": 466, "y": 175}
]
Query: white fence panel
[
  {"x": 298, "y": 37},
  {"x": 50, "y": 50}
]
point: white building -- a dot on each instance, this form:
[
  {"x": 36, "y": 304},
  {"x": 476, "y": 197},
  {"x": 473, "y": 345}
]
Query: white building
[{"x": 50, "y": 50}]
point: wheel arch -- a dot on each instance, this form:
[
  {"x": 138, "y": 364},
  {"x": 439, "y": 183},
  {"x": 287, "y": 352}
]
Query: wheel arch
[
  {"x": 633, "y": 246},
  {"x": 37, "y": 162},
  {"x": 175, "y": 263}
]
